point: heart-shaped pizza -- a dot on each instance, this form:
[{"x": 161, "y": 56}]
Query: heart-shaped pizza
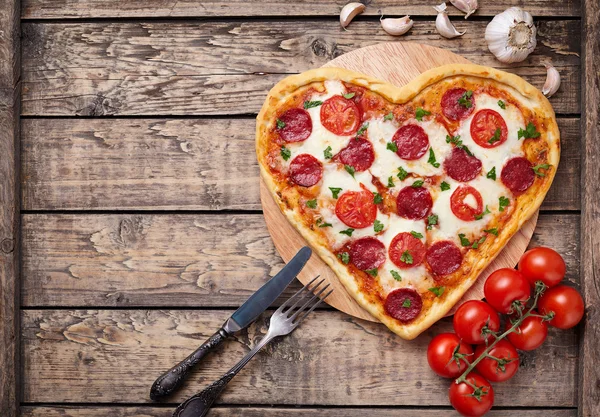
[{"x": 407, "y": 193}]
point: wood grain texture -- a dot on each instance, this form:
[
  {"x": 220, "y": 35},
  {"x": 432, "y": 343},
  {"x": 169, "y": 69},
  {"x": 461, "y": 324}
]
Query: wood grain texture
[
  {"x": 72, "y": 9},
  {"x": 9, "y": 207},
  {"x": 225, "y": 68},
  {"x": 186, "y": 260},
  {"x": 224, "y": 411},
  {"x": 331, "y": 359},
  {"x": 589, "y": 370},
  {"x": 175, "y": 164}
]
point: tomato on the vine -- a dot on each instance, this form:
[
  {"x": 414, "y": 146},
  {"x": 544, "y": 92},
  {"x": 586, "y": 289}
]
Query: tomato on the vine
[
  {"x": 566, "y": 304},
  {"x": 447, "y": 356},
  {"x": 502, "y": 369},
  {"x": 505, "y": 288},
  {"x": 542, "y": 264},
  {"x": 472, "y": 402},
  {"x": 530, "y": 334},
  {"x": 475, "y": 321}
]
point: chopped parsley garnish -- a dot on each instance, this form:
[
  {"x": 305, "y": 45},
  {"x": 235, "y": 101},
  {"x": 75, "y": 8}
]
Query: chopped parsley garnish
[
  {"x": 537, "y": 168},
  {"x": 378, "y": 198},
  {"x": 465, "y": 99},
  {"x": 478, "y": 242},
  {"x": 438, "y": 291},
  {"x": 389, "y": 116},
  {"x": 406, "y": 257},
  {"x": 463, "y": 240},
  {"x": 312, "y": 204},
  {"x": 501, "y": 104},
  {"x": 491, "y": 174},
  {"x": 417, "y": 184},
  {"x": 396, "y": 275},
  {"x": 493, "y": 231},
  {"x": 344, "y": 257},
  {"x": 347, "y": 232},
  {"x": 377, "y": 226},
  {"x": 285, "y": 153},
  {"x": 349, "y": 170},
  {"x": 483, "y": 213},
  {"x": 432, "y": 160},
  {"x": 349, "y": 95},
  {"x": 321, "y": 224},
  {"x": 390, "y": 183},
  {"x": 432, "y": 220},
  {"x": 335, "y": 191},
  {"x": 280, "y": 124},
  {"x": 327, "y": 153},
  {"x": 416, "y": 234},
  {"x": 372, "y": 272},
  {"x": 402, "y": 174},
  {"x": 529, "y": 133},
  {"x": 406, "y": 303},
  {"x": 444, "y": 186},
  {"x": 362, "y": 129},
  {"x": 456, "y": 140},
  {"x": 311, "y": 104},
  {"x": 503, "y": 202},
  {"x": 420, "y": 113},
  {"x": 391, "y": 146},
  {"x": 496, "y": 137}
]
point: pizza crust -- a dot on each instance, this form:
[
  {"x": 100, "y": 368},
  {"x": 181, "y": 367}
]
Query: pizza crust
[{"x": 527, "y": 204}]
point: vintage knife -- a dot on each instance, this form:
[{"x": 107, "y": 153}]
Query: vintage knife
[{"x": 254, "y": 306}]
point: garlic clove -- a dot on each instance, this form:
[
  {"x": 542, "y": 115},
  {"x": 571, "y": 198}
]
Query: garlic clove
[
  {"x": 349, "y": 12},
  {"x": 443, "y": 24},
  {"x": 511, "y": 35},
  {"x": 552, "y": 83},
  {"x": 397, "y": 27},
  {"x": 465, "y": 6}
]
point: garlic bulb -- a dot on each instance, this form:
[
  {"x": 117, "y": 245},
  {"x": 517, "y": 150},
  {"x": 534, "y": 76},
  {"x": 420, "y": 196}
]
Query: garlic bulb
[
  {"x": 397, "y": 27},
  {"x": 511, "y": 35},
  {"x": 349, "y": 12},
  {"x": 552, "y": 81},
  {"x": 465, "y": 6},
  {"x": 443, "y": 24}
]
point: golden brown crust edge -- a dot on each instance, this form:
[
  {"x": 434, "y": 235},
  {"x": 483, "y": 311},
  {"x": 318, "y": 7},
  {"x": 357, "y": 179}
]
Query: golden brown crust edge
[{"x": 529, "y": 203}]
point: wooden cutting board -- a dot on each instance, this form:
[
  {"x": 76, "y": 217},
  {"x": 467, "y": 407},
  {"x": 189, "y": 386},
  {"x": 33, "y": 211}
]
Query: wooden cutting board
[{"x": 397, "y": 63}]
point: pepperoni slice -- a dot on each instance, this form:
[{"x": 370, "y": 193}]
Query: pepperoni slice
[
  {"x": 451, "y": 107},
  {"x": 484, "y": 128},
  {"x": 413, "y": 203},
  {"x": 306, "y": 170},
  {"x": 403, "y": 304},
  {"x": 412, "y": 142},
  {"x": 359, "y": 154},
  {"x": 356, "y": 209},
  {"x": 462, "y": 167},
  {"x": 298, "y": 125},
  {"x": 340, "y": 116},
  {"x": 461, "y": 208},
  {"x": 518, "y": 174},
  {"x": 444, "y": 257},
  {"x": 367, "y": 253},
  {"x": 405, "y": 242}
]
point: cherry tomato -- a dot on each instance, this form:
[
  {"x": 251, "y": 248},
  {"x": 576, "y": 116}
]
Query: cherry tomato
[
  {"x": 467, "y": 401},
  {"x": 530, "y": 334},
  {"x": 542, "y": 264},
  {"x": 356, "y": 209},
  {"x": 565, "y": 302},
  {"x": 460, "y": 206},
  {"x": 488, "y": 129},
  {"x": 406, "y": 251},
  {"x": 447, "y": 356},
  {"x": 498, "y": 371},
  {"x": 472, "y": 318},
  {"x": 505, "y": 287},
  {"x": 340, "y": 116}
]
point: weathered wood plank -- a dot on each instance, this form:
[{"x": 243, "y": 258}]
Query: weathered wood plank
[
  {"x": 223, "y": 411},
  {"x": 71, "y": 9},
  {"x": 589, "y": 370},
  {"x": 192, "y": 164},
  {"x": 177, "y": 260},
  {"x": 9, "y": 207},
  {"x": 331, "y": 359},
  {"x": 211, "y": 68}
]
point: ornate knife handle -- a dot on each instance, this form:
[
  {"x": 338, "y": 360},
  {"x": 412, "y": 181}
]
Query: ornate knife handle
[{"x": 168, "y": 382}]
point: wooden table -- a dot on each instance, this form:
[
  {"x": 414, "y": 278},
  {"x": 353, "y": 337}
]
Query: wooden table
[{"x": 130, "y": 222}]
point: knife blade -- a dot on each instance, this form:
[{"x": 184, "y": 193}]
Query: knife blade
[{"x": 253, "y": 307}]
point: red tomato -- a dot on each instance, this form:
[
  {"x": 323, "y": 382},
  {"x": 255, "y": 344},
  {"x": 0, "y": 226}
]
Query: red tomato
[
  {"x": 484, "y": 128},
  {"x": 405, "y": 242},
  {"x": 469, "y": 403},
  {"x": 473, "y": 320},
  {"x": 462, "y": 210},
  {"x": 530, "y": 334},
  {"x": 565, "y": 302},
  {"x": 498, "y": 371},
  {"x": 356, "y": 209},
  {"x": 447, "y": 356},
  {"x": 340, "y": 116},
  {"x": 542, "y": 264},
  {"x": 505, "y": 287}
]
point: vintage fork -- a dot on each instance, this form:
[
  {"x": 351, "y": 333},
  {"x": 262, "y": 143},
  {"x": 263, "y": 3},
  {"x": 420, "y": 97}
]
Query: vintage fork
[{"x": 283, "y": 322}]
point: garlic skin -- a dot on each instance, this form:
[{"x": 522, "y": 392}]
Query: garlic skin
[
  {"x": 465, "y": 6},
  {"x": 552, "y": 83},
  {"x": 511, "y": 35},
  {"x": 349, "y": 12},
  {"x": 443, "y": 24},
  {"x": 397, "y": 27}
]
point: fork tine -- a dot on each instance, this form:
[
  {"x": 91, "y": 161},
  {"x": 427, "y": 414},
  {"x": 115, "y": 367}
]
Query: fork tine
[
  {"x": 293, "y": 297},
  {"x": 312, "y": 308},
  {"x": 307, "y": 294},
  {"x": 315, "y": 296}
]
